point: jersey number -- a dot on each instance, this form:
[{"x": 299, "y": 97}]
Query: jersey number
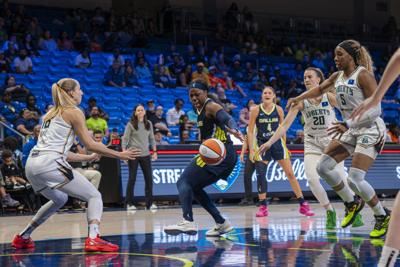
[
  {"x": 342, "y": 100},
  {"x": 269, "y": 129},
  {"x": 46, "y": 124},
  {"x": 320, "y": 120}
]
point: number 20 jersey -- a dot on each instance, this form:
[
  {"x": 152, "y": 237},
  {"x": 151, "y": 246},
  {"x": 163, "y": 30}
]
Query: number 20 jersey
[{"x": 318, "y": 118}]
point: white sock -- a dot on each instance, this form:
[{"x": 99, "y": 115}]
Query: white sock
[
  {"x": 93, "y": 230},
  {"x": 378, "y": 209},
  {"x": 388, "y": 257}
]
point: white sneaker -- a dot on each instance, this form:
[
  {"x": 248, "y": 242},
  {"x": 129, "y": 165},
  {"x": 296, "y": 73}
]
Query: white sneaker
[
  {"x": 153, "y": 207},
  {"x": 131, "y": 207},
  {"x": 220, "y": 229},
  {"x": 220, "y": 243},
  {"x": 183, "y": 226}
]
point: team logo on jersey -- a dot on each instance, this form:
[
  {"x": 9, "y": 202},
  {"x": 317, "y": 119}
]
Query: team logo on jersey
[
  {"x": 325, "y": 103},
  {"x": 222, "y": 185},
  {"x": 351, "y": 82},
  {"x": 364, "y": 140}
]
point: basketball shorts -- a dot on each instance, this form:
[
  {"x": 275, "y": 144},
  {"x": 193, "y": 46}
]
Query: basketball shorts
[
  {"x": 366, "y": 140},
  {"x": 315, "y": 144},
  {"x": 278, "y": 151}
]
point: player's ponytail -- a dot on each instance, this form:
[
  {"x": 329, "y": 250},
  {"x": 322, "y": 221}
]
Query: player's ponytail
[
  {"x": 359, "y": 53},
  {"x": 61, "y": 98}
]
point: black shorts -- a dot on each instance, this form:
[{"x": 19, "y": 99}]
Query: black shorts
[{"x": 278, "y": 151}]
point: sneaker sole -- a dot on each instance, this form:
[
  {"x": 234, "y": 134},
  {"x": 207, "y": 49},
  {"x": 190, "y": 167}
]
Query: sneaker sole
[
  {"x": 355, "y": 214},
  {"x": 221, "y": 233},
  {"x": 101, "y": 250},
  {"x": 178, "y": 232}
]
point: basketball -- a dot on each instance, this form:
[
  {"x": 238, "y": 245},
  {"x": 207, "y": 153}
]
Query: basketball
[{"x": 212, "y": 151}]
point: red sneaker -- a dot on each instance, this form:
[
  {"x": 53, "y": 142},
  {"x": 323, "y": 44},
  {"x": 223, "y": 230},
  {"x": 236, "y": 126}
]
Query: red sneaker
[
  {"x": 21, "y": 243},
  {"x": 98, "y": 244},
  {"x": 305, "y": 209}
]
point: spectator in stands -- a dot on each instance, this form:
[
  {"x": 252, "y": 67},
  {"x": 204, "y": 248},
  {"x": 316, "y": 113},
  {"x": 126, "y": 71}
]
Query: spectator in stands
[
  {"x": 18, "y": 91},
  {"x": 26, "y": 122},
  {"x": 185, "y": 76},
  {"x": 116, "y": 57},
  {"x": 10, "y": 54},
  {"x": 226, "y": 103},
  {"x": 47, "y": 42},
  {"x": 139, "y": 134},
  {"x": 214, "y": 80},
  {"x": 299, "y": 137},
  {"x": 95, "y": 122},
  {"x": 6, "y": 200},
  {"x": 158, "y": 137},
  {"x": 200, "y": 73},
  {"x": 83, "y": 60},
  {"x": 4, "y": 64},
  {"x": 176, "y": 67},
  {"x": 22, "y": 63},
  {"x": 163, "y": 79},
  {"x": 35, "y": 29},
  {"x": 138, "y": 56},
  {"x": 159, "y": 122},
  {"x": 99, "y": 137},
  {"x": 26, "y": 149},
  {"x": 236, "y": 71},
  {"x": 245, "y": 113},
  {"x": 173, "y": 114},
  {"x": 184, "y": 124},
  {"x": 64, "y": 42},
  {"x": 114, "y": 141},
  {"x": 7, "y": 109},
  {"x": 92, "y": 102},
  {"x": 184, "y": 137},
  {"x": 143, "y": 72},
  {"x": 11, "y": 42},
  {"x": 192, "y": 115},
  {"x": 29, "y": 45},
  {"x": 293, "y": 90},
  {"x": 151, "y": 109},
  {"x": 11, "y": 173},
  {"x": 301, "y": 53},
  {"x": 115, "y": 76},
  {"x": 31, "y": 106},
  {"x": 231, "y": 85},
  {"x": 393, "y": 134},
  {"x": 46, "y": 109},
  {"x": 131, "y": 79},
  {"x": 81, "y": 41},
  {"x": 318, "y": 61}
]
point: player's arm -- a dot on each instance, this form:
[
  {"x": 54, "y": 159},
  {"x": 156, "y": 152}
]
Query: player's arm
[
  {"x": 367, "y": 82},
  {"x": 391, "y": 72},
  {"x": 285, "y": 123},
  {"x": 75, "y": 157},
  {"x": 250, "y": 132},
  {"x": 76, "y": 118},
  {"x": 332, "y": 99},
  {"x": 317, "y": 91},
  {"x": 223, "y": 118}
]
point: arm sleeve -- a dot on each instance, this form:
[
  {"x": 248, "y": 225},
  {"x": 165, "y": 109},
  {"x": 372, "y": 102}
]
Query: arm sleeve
[
  {"x": 225, "y": 119},
  {"x": 366, "y": 119}
]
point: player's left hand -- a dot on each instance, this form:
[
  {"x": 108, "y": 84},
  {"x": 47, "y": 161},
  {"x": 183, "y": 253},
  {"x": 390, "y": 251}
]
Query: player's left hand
[
  {"x": 94, "y": 157},
  {"x": 367, "y": 104},
  {"x": 154, "y": 156},
  {"x": 338, "y": 127},
  {"x": 264, "y": 147},
  {"x": 236, "y": 133}
]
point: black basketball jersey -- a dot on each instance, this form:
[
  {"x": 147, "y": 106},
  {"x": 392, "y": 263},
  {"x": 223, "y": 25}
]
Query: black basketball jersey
[
  {"x": 266, "y": 123},
  {"x": 209, "y": 127}
]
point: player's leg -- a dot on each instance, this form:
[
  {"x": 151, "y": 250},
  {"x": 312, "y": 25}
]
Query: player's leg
[{"x": 261, "y": 171}]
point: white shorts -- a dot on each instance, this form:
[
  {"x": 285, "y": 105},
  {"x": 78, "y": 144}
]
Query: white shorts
[
  {"x": 315, "y": 144},
  {"x": 58, "y": 171},
  {"x": 366, "y": 140}
]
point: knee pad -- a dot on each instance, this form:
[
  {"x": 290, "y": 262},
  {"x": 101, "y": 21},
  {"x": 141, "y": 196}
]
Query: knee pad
[
  {"x": 325, "y": 164},
  {"x": 60, "y": 200},
  {"x": 358, "y": 184}
]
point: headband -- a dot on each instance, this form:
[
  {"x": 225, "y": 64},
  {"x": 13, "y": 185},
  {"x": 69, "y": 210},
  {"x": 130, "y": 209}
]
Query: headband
[
  {"x": 350, "y": 50},
  {"x": 198, "y": 85}
]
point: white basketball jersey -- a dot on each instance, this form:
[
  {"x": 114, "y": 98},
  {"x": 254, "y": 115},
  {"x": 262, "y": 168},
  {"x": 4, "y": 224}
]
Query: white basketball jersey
[
  {"x": 55, "y": 135},
  {"x": 348, "y": 93},
  {"x": 318, "y": 118}
]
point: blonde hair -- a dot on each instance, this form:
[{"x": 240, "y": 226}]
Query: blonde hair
[
  {"x": 61, "y": 98},
  {"x": 361, "y": 54}
]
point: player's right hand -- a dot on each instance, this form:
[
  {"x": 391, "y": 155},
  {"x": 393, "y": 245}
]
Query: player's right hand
[
  {"x": 251, "y": 155},
  {"x": 242, "y": 157},
  {"x": 291, "y": 102},
  {"x": 130, "y": 154}
]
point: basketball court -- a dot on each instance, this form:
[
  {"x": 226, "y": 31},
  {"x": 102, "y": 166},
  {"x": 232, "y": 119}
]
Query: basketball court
[{"x": 284, "y": 238}]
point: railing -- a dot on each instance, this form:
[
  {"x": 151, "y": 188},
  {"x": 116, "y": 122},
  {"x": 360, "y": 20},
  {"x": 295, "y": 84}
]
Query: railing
[{"x": 4, "y": 125}]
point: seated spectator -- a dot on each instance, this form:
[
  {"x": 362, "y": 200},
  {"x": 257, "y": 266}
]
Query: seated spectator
[
  {"x": 176, "y": 67},
  {"x": 11, "y": 42},
  {"x": 231, "y": 85},
  {"x": 163, "y": 79},
  {"x": 245, "y": 113},
  {"x": 18, "y": 91},
  {"x": 236, "y": 71},
  {"x": 115, "y": 76},
  {"x": 192, "y": 115},
  {"x": 23, "y": 63},
  {"x": 185, "y": 124},
  {"x": 31, "y": 106},
  {"x": 173, "y": 114},
  {"x": 29, "y": 45},
  {"x": 4, "y": 64},
  {"x": 95, "y": 122},
  {"x": 26, "y": 149},
  {"x": 64, "y": 42},
  {"x": 185, "y": 76},
  {"x": 83, "y": 60},
  {"x": 7, "y": 109},
  {"x": 114, "y": 141},
  {"x": 138, "y": 56},
  {"x": 116, "y": 57},
  {"x": 159, "y": 122},
  {"x": 158, "y": 137},
  {"x": 184, "y": 137},
  {"x": 11, "y": 143},
  {"x": 131, "y": 79},
  {"x": 6, "y": 200},
  {"x": 26, "y": 122},
  {"x": 92, "y": 102},
  {"x": 10, "y": 54},
  {"x": 200, "y": 73},
  {"x": 299, "y": 137},
  {"x": 99, "y": 137},
  {"x": 151, "y": 108},
  {"x": 47, "y": 42},
  {"x": 11, "y": 173},
  {"x": 250, "y": 72},
  {"x": 226, "y": 103},
  {"x": 143, "y": 72},
  {"x": 214, "y": 80},
  {"x": 293, "y": 90},
  {"x": 393, "y": 134}
]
